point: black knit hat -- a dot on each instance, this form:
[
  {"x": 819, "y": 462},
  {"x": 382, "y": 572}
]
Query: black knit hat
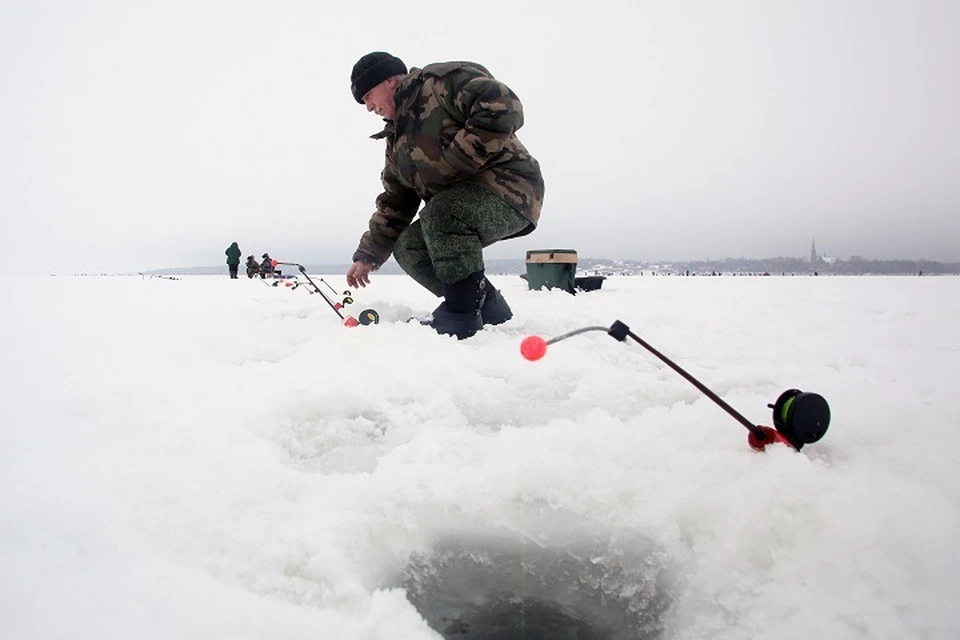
[{"x": 371, "y": 70}]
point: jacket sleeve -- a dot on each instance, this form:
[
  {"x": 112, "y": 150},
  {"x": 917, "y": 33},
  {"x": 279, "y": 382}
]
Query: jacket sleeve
[
  {"x": 396, "y": 207},
  {"x": 492, "y": 114}
]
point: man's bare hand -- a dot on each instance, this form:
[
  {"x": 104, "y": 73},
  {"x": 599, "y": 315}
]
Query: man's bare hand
[{"x": 359, "y": 274}]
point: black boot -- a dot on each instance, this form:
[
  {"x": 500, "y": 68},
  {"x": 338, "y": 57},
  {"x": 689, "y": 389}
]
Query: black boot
[
  {"x": 459, "y": 313},
  {"x": 495, "y": 309}
]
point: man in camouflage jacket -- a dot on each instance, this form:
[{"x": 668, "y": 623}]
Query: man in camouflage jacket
[{"x": 450, "y": 143}]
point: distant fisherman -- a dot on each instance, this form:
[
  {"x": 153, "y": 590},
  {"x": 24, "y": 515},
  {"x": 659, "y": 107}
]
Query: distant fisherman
[
  {"x": 233, "y": 259},
  {"x": 451, "y": 143},
  {"x": 253, "y": 267},
  {"x": 266, "y": 267}
]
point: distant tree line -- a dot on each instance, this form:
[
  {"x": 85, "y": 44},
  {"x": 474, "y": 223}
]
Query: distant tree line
[
  {"x": 854, "y": 266},
  {"x": 857, "y": 266}
]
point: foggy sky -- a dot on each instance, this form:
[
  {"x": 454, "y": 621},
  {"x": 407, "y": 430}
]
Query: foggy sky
[{"x": 135, "y": 136}]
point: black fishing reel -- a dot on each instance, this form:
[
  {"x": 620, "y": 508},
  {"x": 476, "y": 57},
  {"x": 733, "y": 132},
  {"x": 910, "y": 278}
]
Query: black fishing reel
[
  {"x": 368, "y": 317},
  {"x": 801, "y": 417}
]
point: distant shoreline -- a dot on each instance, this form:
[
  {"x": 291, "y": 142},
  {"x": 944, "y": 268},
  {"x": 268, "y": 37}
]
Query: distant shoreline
[{"x": 605, "y": 266}]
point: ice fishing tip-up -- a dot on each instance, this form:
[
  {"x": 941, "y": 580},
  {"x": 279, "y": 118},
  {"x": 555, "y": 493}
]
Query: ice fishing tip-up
[
  {"x": 367, "y": 316},
  {"x": 799, "y": 417}
]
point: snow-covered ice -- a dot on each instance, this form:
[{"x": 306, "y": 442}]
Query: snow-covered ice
[{"x": 207, "y": 458}]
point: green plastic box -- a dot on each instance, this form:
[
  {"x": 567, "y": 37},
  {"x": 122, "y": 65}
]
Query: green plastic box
[{"x": 552, "y": 268}]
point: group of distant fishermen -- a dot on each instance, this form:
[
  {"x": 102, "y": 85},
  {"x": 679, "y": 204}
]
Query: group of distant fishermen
[{"x": 264, "y": 268}]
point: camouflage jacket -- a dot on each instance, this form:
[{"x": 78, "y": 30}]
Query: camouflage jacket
[{"x": 454, "y": 123}]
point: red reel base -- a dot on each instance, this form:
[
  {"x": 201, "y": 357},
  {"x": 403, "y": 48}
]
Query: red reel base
[{"x": 771, "y": 436}]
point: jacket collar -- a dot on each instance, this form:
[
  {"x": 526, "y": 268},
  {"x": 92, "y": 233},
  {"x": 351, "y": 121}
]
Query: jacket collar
[{"x": 389, "y": 129}]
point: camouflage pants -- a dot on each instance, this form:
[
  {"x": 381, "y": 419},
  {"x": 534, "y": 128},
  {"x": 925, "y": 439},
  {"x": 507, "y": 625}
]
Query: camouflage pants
[{"x": 446, "y": 244}]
